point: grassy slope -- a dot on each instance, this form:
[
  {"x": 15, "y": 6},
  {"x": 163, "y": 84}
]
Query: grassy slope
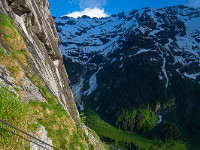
[
  {"x": 107, "y": 131},
  {"x": 59, "y": 125},
  {"x": 19, "y": 54},
  {"x": 61, "y": 129},
  {"x": 16, "y": 112}
]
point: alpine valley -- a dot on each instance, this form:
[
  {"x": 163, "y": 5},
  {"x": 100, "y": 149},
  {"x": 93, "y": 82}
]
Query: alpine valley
[{"x": 137, "y": 71}]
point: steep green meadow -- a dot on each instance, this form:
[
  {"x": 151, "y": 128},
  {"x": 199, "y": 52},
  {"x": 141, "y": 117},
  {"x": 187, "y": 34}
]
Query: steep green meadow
[
  {"x": 127, "y": 140},
  {"x": 61, "y": 129}
]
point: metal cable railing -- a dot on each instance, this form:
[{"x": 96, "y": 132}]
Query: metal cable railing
[{"x": 27, "y": 134}]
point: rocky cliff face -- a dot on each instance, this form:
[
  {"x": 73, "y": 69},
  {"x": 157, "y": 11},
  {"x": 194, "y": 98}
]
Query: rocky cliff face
[
  {"x": 38, "y": 63},
  {"x": 38, "y": 30}
]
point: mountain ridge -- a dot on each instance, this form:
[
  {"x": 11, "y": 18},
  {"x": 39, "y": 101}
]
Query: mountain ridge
[
  {"x": 126, "y": 66},
  {"x": 99, "y": 38}
]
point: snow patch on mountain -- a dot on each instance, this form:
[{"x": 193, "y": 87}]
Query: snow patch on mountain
[
  {"x": 77, "y": 90},
  {"x": 143, "y": 51},
  {"x": 121, "y": 66},
  {"x": 160, "y": 77},
  {"x": 163, "y": 68},
  {"x": 93, "y": 83},
  {"x": 81, "y": 106},
  {"x": 160, "y": 119},
  {"x": 165, "y": 72},
  {"x": 113, "y": 60},
  {"x": 192, "y": 76}
]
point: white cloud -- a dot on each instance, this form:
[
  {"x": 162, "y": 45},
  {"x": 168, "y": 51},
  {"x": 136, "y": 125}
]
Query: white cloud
[
  {"x": 95, "y": 12},
  {"x": 194, "y": 3}
]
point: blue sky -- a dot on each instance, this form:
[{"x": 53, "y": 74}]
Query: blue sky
[{"x": 108, "y": 7}]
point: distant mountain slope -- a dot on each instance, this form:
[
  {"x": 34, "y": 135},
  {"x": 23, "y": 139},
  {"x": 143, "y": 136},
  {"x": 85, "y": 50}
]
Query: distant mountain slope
[
  {"x": 170, "y": 34},
  {"x": 173, "y": 28},
  {"x": 125, "y": 64}
]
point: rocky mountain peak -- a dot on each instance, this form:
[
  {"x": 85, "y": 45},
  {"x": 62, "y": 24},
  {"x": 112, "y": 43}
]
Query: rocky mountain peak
[{"x": 170, "y": 31}]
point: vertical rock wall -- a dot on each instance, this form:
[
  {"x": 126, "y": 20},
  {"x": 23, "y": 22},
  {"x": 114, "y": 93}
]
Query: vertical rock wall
[{"x": 36, "y": 26}]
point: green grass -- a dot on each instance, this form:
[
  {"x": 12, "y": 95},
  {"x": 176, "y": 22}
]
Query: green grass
[
  {"x": 64, "y": 133},
  {"x": 14, "y": 111},
  {"x": 13, "y": 40},
  {"x": 7, "y": 21},
  {"x": 19, "y": 55},
  {"x": 59, "y": 125},
  {"x": 169, "y": 146},
  {"x": 110, "y": 134},
  {"x": 11, "y": 65}
]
